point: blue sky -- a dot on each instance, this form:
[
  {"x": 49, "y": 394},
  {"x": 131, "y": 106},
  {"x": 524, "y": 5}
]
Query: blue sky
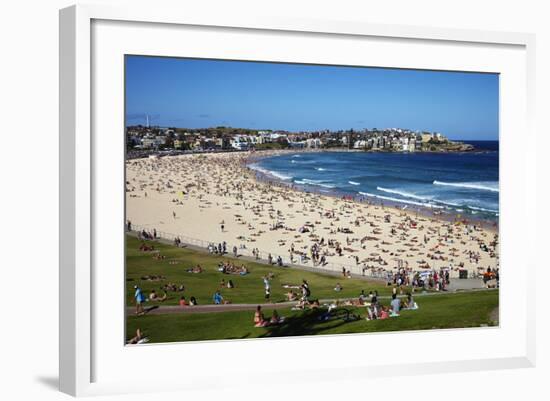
[{"x": 196, "y": 93}]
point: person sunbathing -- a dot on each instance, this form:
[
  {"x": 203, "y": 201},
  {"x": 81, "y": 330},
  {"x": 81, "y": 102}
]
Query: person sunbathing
[
  {"x": 183, "y": 301},
  {"x": 153, "y": 296},
  {"x": 138, "y": 338}
]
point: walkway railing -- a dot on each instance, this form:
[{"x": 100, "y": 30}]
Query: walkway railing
[{"x": 263, "y": 256}]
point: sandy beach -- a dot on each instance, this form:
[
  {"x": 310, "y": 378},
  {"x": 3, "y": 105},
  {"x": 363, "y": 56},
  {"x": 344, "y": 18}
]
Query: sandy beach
[{"x": 193, "y": 196}]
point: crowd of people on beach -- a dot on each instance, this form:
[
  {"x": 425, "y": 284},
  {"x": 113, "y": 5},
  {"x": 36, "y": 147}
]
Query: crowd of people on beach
[{"x": 317, "y": 230}]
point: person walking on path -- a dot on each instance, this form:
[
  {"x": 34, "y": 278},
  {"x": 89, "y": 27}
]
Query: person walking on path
[{"x": 140, "y": 299}]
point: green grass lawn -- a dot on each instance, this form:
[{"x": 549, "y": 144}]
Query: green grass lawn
[
  {"x": 248, "y": 288},
  {"x": 436, "y": 312},
  {"x": 468, "y": 309}
]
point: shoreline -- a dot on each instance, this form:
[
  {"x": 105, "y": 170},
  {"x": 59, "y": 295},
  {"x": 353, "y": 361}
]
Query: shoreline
[{"x": 452, "y": 217}]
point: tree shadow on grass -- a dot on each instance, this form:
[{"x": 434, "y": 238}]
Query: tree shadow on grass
[{"x": 309, "y": 322}]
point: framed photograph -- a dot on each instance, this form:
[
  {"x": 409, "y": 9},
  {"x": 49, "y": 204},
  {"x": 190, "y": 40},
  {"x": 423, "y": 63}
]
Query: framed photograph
[{"x": 309, "y": 200}]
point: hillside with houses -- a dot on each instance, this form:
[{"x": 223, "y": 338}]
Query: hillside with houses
[{"x": 143, "y": 138}]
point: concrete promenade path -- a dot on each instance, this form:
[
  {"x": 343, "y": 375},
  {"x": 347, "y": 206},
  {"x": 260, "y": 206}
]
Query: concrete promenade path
[{"x": 160, "y": 309}]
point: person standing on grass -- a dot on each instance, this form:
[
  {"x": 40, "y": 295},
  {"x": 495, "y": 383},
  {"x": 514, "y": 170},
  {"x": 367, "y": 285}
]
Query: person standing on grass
[
  {"x": 267, "y": 287},
  {"x": 140, "y": 299},
  {"x": 395, "y": 304},
  {"x": 306, "y": 292}
]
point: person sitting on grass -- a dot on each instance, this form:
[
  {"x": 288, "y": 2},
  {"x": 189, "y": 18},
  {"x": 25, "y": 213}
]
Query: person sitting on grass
[
  {"x": 218, "y": 299},
  {"x": 302, "y": 303},
  {"x": 384, "y": 313},
  {"x": 193, "y": 301},
  {"x": 314, "y": 304},
  {"x": 153, "y": 296},
  {"x": 222, "y": 283},
  {"x": 196, "y": 269},
  {"x": 259, "y": 320},
  {"x": 338, "y": 287},
  {"x": 355, "y": 302},
  {"x": 275, "y": 318},
  {"x": 410, "y": 304},
  {"x": 230, "y": 284},
  {"x": 395, "y": 305},
  {"x": 291, "y": 296},
  {"x": 371, "y": 313},
  {"x": 183, "y": 301}
]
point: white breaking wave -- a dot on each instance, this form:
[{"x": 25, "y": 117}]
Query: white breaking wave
[
  {"x": 482, "y": 209},
  {"x": 296, "y": 156},
  {"x": 389, "y": 198},
  {"x": 403, "y": 193},
  {"x": 319, "y": 183},
  {"x": 448, "y": 203},
  {"x": 320, "y": 169},
  {"x": 269, "y": 172},
  {"x": 354, "y": 183},
  {"x": 459, "y": 206},
  {"x": 482, "y": 186}
]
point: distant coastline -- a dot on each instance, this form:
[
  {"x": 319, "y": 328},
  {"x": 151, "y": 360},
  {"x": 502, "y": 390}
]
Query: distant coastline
[
  {"x": 137, "y": 154},
  {"x": 144, "y": 140}
]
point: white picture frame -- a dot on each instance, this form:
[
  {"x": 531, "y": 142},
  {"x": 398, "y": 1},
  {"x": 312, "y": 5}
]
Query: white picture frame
[{"x": 79, "y": 345}]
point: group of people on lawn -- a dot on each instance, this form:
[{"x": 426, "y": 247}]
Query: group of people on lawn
[
  {"x": 261, "y": 321},
  {"x": 230, "y": 268},
  {"x": 377, "y": 311},
  {"x": 374, "y": 308}
]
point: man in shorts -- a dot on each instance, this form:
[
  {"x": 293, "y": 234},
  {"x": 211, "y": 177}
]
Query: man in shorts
[{"x": 140, "y": 299}]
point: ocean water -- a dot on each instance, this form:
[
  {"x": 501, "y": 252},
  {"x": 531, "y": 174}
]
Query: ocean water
[{"x": 458, "y": 183}]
